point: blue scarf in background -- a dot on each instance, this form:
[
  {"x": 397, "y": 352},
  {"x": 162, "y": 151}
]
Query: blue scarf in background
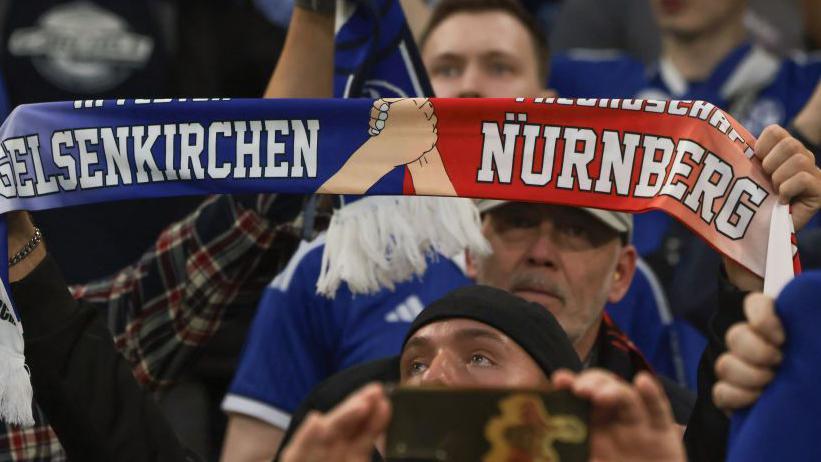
[{"x": 783, "y": 423}]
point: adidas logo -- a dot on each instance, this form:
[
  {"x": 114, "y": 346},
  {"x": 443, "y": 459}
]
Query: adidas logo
[{"x": 406, "y": 311}]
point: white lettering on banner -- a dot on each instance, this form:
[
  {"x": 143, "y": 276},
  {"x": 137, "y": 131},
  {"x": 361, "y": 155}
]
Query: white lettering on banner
[
  {"x": 304, "y": 148},
  {"x": 89, "y": 158},
  {"x": 531, "y": 132},
  {"x": 653, "y": 167},
  {"x": 706, "y": 190},
  {"x": 17, "y": 150},
  {"x": 142, "y": 152},
  {"x": 191, "y": 151},
  {"x": 649, "y": 164},
  {"x": 169, "y": 130},
  {"x": 681, "y": 169},
  {"x": 700, "y": 110},
  {"x": 248, "y": 148},
  {"x": 575, "y": 159},
  {"x": 215, "y": 171},
  {"x": 116, "y": 156},
  {"x": 43, "y": 185},
  {"x": 496, "y": 153},
  {"x": 735, "y": 216},
  {"x": 275, "y": 168},
  {"x": 60, "y": 141},
  {"x": 98, "y": 103},
  {"x": 617, "y": 163}
]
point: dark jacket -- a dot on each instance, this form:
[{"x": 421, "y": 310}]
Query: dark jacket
[
  {"x": 80, "y": 381},
  {"x": 708, "y": 427},
  {"x": 613, "y": 351}
]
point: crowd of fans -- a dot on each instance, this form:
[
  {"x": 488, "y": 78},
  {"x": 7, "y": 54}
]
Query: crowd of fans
[{"x": 224, "y": 350}]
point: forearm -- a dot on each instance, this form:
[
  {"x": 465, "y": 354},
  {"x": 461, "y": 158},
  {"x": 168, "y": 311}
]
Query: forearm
[
  {"x": 417, "y": 12},
  {"x": 742, "y": 278},
  {"x": 811, "y": 15},
  {"x": 807, "y": 124},
  {"x": 305, "y": 67},
  {"x": 250, "y": 440}
]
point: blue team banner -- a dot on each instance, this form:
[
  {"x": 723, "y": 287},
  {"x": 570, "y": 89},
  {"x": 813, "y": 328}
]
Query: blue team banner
[
  {"x": 62, "y": 154},
  {"x": 375, "y": 55}
]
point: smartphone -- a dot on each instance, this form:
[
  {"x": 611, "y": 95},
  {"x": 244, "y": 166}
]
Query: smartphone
[{"x": 486, "y": 425}]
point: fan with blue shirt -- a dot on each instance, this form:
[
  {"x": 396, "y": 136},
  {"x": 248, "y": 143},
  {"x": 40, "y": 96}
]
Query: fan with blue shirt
[{"x": 300, "y": 337}]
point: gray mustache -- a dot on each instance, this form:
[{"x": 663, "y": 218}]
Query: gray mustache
[{"x": 525, "y": 281}]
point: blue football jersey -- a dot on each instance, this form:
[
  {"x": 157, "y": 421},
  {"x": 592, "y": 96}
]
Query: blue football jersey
[
  {"x": 753, "y": 85},
  {"x": 298, "y": 338}
]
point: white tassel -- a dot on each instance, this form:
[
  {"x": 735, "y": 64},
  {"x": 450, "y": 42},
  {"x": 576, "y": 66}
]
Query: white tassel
[
  {"x": 379, "y": 241},
  {"x": 15, "y": 389}
]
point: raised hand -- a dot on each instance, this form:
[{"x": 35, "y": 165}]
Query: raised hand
[
  {"x": 347, "y": 433},
  {"x": 753, "y": 353},
  {"x": 796, "y": 179},
  {"x": 793, "y": 171},
  {"x": 628, "y": 422}
]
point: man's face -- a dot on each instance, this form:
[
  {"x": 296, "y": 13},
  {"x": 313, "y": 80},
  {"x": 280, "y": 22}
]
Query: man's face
[
  {"x": 688, "y": 19},
  {"x": 562, "y": 258},
  {"x": 467, "y": 353},
  {"x": 485, "y": 54}
]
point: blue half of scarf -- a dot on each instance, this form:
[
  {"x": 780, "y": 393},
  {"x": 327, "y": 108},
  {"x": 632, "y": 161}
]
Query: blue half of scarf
[{"x": 197, "y": 147}]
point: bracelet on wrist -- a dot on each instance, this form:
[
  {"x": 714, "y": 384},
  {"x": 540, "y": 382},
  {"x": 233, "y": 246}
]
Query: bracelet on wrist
[{"x": 28, "y": 248}]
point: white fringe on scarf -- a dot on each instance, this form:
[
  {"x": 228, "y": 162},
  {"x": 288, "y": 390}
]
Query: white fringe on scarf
[
  {"x": 379, "y": 241},
  {"x": 15, "y": 389}
]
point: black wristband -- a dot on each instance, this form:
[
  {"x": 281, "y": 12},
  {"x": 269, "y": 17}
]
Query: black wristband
[{"x": 325, "y": 7}]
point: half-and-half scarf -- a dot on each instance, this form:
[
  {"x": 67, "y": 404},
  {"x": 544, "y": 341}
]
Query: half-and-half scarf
[{"x": 688, "y": 158}]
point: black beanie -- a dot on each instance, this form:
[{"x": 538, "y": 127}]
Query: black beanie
[{"x": 528, "y": 324}]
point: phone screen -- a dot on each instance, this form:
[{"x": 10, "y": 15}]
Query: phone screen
[{"x": 486, "y": 425}]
